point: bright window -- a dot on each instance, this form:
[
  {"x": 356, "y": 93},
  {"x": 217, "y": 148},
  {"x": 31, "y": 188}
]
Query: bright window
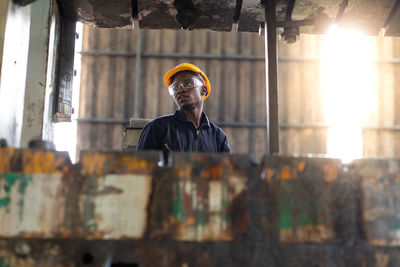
[{"x": 348, "y": 80}]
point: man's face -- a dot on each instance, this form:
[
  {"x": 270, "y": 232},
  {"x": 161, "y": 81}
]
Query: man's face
[{"x": 188, "y": 98}]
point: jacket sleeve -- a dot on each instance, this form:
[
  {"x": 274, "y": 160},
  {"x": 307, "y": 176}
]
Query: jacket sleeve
[
  {"x": 225, "y": 144},
  {"x": 226, "y": 147},
  {"x": 148, "y": 139}
]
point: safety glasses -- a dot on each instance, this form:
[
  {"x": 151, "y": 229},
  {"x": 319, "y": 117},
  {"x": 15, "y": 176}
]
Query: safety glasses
[{"x": 187, "y": 84}]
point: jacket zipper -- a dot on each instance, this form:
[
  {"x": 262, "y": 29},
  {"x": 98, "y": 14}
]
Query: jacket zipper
[{"x": 197, "y": 140}]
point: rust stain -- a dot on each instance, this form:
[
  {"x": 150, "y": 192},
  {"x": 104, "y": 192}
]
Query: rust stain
[
  {"x": 32, "y": 235},
  {"x": 381, "y": 259},
  {"x": 64, "y": 233},
  {"x": 285, "y": 173},
  {"x": 93, "y": 163},
  {"x": 216, "y": 171},
  {"x": 107, "y": 190},
  {"x": 369, "y": 173},
  {"x": 269, "y": 173},
  {"x": 222, "y": 236},
  {"x": 42, "y": 162},
  {"x": 302, "y": 166},
  {"x": 134, "y": 163},
  {"x": 185, "y": 171},
  {"x": 229, "y": 167},
  {"x": 5, "y": 156},
  {"x": 379, "y": 242},
  {"x": 99, "y": 217},
  {"x": 373, "y": 214},
  {"x": 190, "y": 220},
  {"x": 307, "y": 233},
  {"x": 101, "y": 163},
  {"x": 330, "y": 172}
]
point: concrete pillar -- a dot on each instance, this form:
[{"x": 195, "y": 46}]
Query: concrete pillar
[
  {"x": 27, "y": 54},
  {"x": 3, "y": 16}
]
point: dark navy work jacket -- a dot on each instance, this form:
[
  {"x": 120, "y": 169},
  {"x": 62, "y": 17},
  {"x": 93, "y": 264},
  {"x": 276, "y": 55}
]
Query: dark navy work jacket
[{"x": 175, "y": 132}]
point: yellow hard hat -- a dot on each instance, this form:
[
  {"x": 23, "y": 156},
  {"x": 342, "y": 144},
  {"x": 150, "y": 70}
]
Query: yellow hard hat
[{"x": 191, "y": 67}]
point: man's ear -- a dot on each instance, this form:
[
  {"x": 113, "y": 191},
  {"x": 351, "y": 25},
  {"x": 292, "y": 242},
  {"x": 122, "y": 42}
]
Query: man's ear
[{"x": 203, "y": 90}]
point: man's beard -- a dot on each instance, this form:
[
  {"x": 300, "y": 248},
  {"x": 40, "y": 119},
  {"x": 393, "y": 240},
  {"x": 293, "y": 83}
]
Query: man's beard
[
  {"x": 188, "y": 107},
  {"x": 191, "y": 106}
]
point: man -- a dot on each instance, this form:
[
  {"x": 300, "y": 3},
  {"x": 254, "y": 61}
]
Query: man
[{"x": 188, "y": 129}]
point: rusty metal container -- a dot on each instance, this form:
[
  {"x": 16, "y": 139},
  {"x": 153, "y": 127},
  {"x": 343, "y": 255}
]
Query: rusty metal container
[
  {"x": 197, "y": 209},
  {"x": 379, "y": 181},
  {"x": 201, "y": 197}
]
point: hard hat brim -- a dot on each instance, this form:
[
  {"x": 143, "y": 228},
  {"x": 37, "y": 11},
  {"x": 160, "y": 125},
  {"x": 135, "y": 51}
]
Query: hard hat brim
[{"x": 190, "y": 67}]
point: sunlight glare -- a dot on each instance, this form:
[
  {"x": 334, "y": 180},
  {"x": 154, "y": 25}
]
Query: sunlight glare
[{"x": 347, "y": 84}]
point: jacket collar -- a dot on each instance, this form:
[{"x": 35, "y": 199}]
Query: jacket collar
[{"x": 181, "y": 116}]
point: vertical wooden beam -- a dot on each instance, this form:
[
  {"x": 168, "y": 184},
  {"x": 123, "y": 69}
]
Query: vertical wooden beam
[{"x": 271, "y": 67}]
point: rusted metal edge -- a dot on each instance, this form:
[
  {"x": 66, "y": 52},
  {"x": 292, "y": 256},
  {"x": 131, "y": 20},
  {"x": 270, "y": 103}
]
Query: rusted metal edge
[{"x": 174, "y": 253}]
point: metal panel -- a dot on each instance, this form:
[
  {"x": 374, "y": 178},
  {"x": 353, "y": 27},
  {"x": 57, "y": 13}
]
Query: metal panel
[
  {"x": 379, "y": 182},
  {"x": 44, "y": 197},
  {"x": 202, "y": 198},
  {"x": 121, "y": 208},
  {"x": 101, "y": 195},
  {"x": 31, "y": 206},
  {"x": 115, "y": 180},
  {"x": 195, "y": 14},
  {"x": 306, "y": 197}
]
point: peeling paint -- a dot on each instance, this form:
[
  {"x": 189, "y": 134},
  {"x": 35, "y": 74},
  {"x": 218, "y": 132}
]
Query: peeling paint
[
  {"x": 203, "y": 193},
  {"x": 3, "y": 262},
  {"x": 102, "y": 200},
  {"x": 9, "y": 180},
  {"x": 100, "y": 163},
  {"x": 5, "y": 157}
]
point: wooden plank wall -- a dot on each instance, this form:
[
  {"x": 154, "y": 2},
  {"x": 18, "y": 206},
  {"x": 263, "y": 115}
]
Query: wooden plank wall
[{"x": 237, "y": 100}]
